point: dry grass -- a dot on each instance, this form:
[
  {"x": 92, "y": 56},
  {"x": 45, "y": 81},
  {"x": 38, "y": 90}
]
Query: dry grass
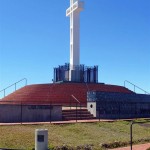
[{"x": 22, "y": 136}]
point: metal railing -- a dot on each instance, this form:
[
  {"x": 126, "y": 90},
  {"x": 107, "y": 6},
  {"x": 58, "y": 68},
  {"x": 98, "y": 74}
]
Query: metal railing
[
  {"x": 135, "y": 86},
  {"x": 15, "y": 86},
  {"x": 131, "y": 130},
  {"x": 75, "y": 98},
  {"x": 77, "y": 103}
]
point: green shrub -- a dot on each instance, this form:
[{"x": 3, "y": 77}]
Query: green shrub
[{"x": 115, "y": 144}]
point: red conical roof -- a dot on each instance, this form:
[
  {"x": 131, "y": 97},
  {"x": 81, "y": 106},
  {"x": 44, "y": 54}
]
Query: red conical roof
[{"x": 58, "y": 93}]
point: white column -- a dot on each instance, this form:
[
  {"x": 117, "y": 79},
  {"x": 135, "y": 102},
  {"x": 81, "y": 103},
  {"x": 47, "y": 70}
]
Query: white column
[{"x": 74, "y": 13}]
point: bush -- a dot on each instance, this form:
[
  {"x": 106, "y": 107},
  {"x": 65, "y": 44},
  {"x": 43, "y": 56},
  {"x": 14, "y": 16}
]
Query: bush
[
  {"x": 63, "y": 147},
  {"x": 66, "y": 147},
  {"x": 115, "y": 144},
  {"x": 84, "y": 147}
]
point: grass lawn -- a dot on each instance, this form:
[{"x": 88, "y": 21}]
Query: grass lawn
[{"x": 95, "y": 134}]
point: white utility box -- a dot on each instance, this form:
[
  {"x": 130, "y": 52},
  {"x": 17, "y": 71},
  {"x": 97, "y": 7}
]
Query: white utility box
[{"x": 41, "y": 139}]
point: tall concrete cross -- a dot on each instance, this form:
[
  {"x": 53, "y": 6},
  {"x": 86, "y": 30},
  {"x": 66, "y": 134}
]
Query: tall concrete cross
[{"x": 74, "y": 13}]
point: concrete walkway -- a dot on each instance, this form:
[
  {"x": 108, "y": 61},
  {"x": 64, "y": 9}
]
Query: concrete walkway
[
  {"x": 70, "y": 121},
  {"x": 58, "y": 122},
  {"x": 135, "y": 147}
]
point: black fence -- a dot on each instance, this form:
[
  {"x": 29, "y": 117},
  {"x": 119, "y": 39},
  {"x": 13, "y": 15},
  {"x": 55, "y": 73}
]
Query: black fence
[
  {"x": 122, "y": 110},
  {"x": 113, "y": 105},
  {"x": 100, "y": 105},
  {"x": 25, "y": 112}
]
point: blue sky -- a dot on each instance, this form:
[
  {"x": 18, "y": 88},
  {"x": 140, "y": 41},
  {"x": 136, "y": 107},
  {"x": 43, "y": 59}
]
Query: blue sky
[{"x": 115, "y": 35}]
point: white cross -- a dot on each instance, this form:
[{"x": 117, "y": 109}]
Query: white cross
[
  {"x": 74, "y": 13},
  {"x": 74, "y": 5}
]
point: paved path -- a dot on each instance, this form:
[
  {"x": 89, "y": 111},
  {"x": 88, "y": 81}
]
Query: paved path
[
  {"x": 59, "y": 122},
  {"x": 69, "y": 122},
  {"x": 135, "y": 147}
]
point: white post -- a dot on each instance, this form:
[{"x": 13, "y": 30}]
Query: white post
[
  {"x": 41, "y": 139},
  {"x": 74, "y": 13}
]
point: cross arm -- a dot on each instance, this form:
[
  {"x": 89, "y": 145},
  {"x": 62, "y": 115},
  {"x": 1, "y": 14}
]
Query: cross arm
[{"x": 77, "y": 6}]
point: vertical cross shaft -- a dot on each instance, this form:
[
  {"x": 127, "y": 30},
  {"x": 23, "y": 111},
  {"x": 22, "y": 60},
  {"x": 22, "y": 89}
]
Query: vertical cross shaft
[{"x": 74, "y": 13}]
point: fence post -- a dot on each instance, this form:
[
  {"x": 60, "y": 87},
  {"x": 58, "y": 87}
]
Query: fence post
[
  {"x": 70, "y": 102},
  {"x": 119, "y": 111},
  {"x": 99, "y": 112},
  {"x": 76, "y": 112},
  {"x": 50, "y": 112},
  {"x": 131, "y": 134},
  {"x": 21, "y": 112},
  {"x": 80, "y": 110}
]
